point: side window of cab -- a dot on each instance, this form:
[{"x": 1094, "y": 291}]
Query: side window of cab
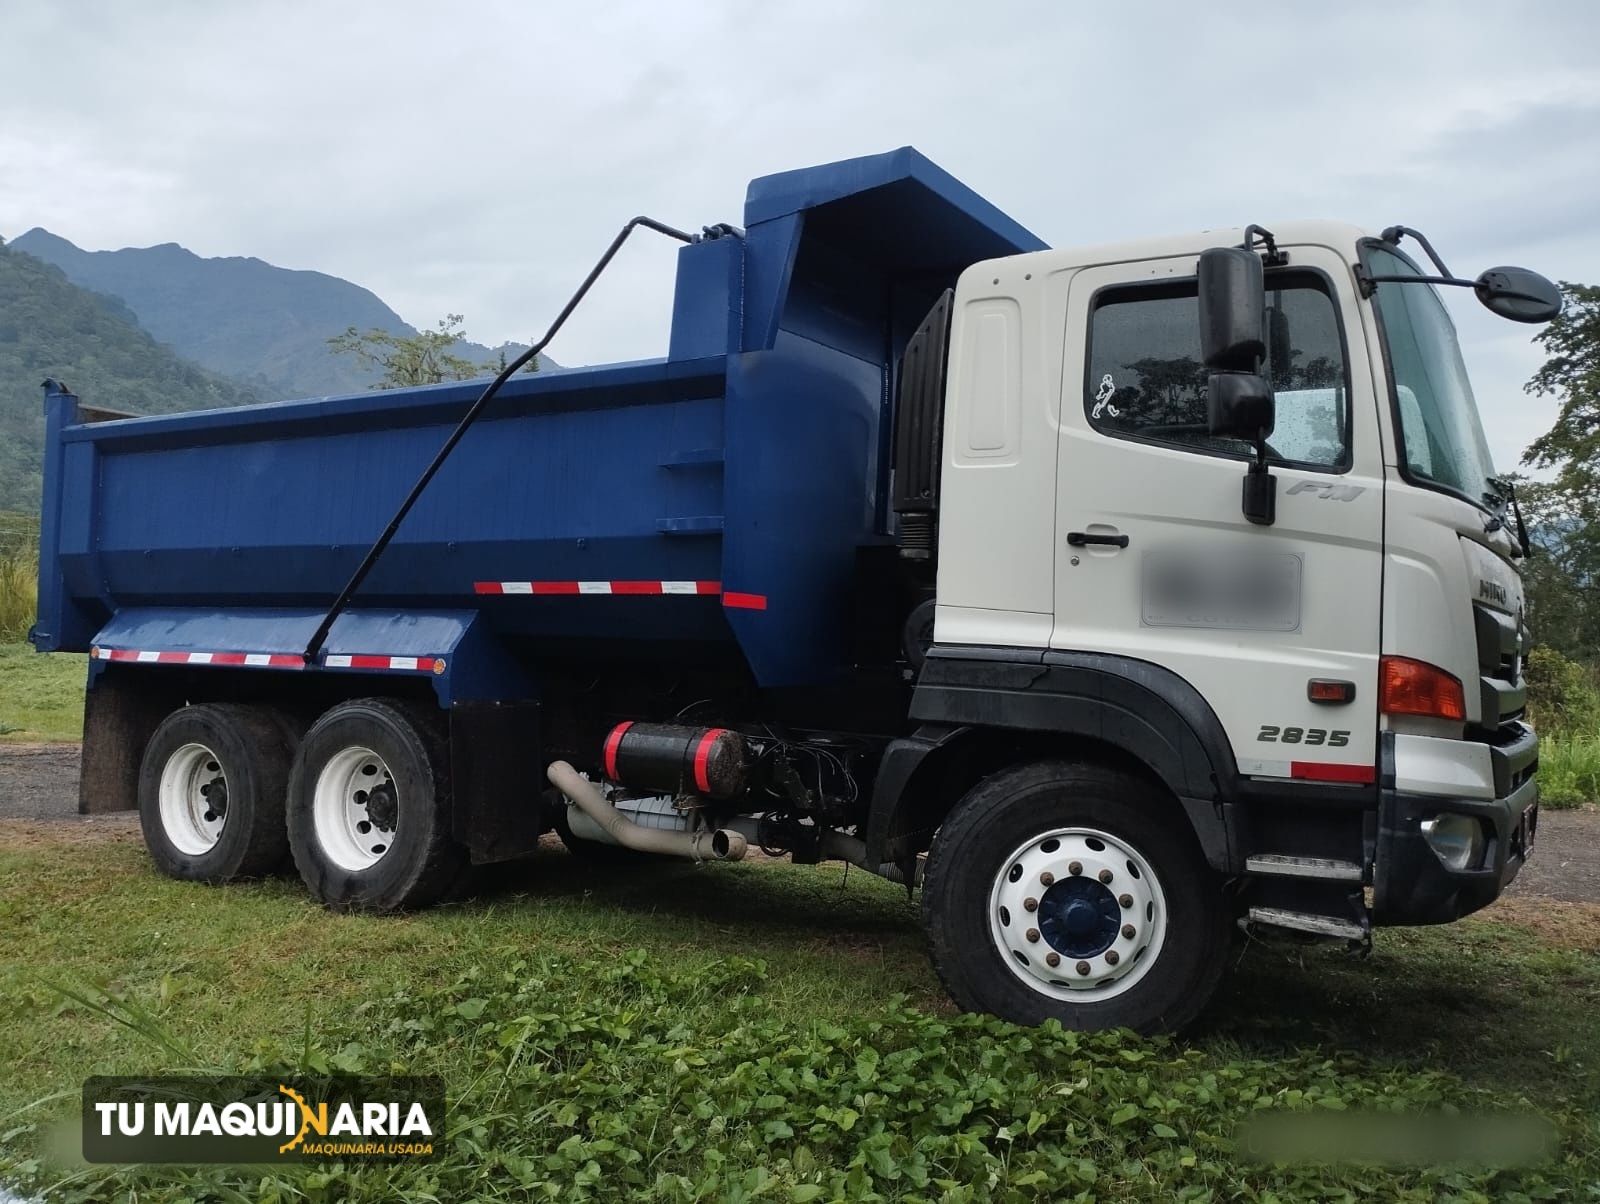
[{"x": 1146, "y": 380}]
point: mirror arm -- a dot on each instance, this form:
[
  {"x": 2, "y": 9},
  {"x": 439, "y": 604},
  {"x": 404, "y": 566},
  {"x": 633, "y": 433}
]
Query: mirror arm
[
  {"x": 1394, "y": 234},
  {"x": 1259, "y": 499},
  {"x": 1274, "y": 258},
  {"x": 1369, "y": 282}
]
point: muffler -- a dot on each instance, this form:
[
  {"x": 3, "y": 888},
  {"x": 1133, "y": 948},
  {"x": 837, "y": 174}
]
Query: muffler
[{"x": 703, "y": 845}]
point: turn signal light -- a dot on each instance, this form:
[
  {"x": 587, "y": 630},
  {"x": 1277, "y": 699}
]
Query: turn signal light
[{"x": 1408, "y": 687}]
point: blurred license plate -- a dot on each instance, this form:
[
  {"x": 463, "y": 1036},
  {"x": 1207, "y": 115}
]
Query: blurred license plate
[{"x": 1530, "y": 824}]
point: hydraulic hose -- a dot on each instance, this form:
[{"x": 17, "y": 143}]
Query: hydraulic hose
[{"x": 315, "y": 644}]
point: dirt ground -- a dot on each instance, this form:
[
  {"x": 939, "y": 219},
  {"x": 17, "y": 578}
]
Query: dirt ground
[{"x": 39, "y": 796}]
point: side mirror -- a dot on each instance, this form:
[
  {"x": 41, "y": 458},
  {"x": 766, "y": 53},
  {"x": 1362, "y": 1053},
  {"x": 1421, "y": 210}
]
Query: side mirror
[
  {"x": 1239, "y": 403},
  {"x": 1233, "y": 302},
  {"x": 1518, "y": 294}
]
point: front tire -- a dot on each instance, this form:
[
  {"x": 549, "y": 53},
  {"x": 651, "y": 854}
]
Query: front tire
[
  {"x": 370, "y": 809},
  {"x": 211, "y": 793},
  {"x": 1078, "y": 893}
]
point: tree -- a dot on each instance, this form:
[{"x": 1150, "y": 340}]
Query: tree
[
  {"x": 1565, "y": 511},
  {"x": 423, "y": 359}
]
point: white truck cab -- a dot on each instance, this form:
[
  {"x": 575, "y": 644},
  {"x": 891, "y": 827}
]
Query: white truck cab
[{"x": 1238, "y": 519}]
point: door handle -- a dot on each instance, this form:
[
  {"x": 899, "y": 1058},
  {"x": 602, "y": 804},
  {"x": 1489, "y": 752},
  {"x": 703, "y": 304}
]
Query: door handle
[{"x": 1078, "y": 539}]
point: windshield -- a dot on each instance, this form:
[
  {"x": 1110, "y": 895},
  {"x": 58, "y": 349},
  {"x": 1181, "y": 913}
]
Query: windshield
[{"x": 1442, "y": 439}]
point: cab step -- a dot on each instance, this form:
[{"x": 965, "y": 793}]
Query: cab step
[
  {"x": 1305, "y": 921},
  {"x": 1284, "y": 865}
]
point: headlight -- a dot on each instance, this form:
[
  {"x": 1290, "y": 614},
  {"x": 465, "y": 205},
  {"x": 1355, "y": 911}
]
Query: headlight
[{"x": 1457, "y": 840}]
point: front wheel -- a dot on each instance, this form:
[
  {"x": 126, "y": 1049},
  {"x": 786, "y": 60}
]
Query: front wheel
[
  {"x": 1074, "y": 892},
  {"x": 370, "y": 807}
]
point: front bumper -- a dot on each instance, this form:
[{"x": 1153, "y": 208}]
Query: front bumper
[{"x": 1410, "y": 884}]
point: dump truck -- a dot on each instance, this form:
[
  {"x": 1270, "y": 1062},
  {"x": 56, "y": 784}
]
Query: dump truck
[{"x": 1116, "y": 599}]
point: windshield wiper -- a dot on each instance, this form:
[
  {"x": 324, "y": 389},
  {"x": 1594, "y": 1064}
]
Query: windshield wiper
[{"x": 1506, "y": 495}]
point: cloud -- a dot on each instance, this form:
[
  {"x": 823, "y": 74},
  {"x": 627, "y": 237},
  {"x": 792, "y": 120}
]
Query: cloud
[{"x": 476, "y": 158}]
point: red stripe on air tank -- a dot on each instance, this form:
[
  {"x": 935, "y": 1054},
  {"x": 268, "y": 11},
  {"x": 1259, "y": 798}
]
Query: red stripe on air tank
[
  {"x": 745, "y": 601},
  {"x": 613, "y": 742},
  {"x": 702, "y": 759},
  {"x": 1321, "y": 771}
]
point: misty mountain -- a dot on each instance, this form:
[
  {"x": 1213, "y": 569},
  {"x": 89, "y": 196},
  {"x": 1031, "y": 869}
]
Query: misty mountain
[
  {"x": 50, "y": 327},
  {"x": 262, "y": 325}
]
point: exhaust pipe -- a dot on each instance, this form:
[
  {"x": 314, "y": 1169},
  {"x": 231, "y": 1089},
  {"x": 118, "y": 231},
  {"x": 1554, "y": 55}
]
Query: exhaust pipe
[{"x": 718, "y": 845}]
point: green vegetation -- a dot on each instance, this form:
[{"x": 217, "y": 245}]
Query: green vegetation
[
  {"x": 1564, "y": 704},
  {"x": 425, "y": 358},
  {"x": 581, "y": 1068},
  {"x": 1564, "y": 512},
  {"x": 19, "y": 574},
  {"x": 52, "y": 328},
  {"x": 41, "y": 697}
]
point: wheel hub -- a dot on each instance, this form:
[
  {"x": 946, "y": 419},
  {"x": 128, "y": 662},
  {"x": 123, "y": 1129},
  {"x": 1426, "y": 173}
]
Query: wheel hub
[
  {"x": 355, "y": 808},
  {"x": 193, "y": 799},
  {"x": 215, "y": 793},
  {"x": 1077, "y": 914}
]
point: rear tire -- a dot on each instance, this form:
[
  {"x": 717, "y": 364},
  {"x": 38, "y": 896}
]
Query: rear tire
[
  {"x": 211, "y": 793},
  {"x": 1090, "y": 867},
  {"x": 370, "y": 809}
]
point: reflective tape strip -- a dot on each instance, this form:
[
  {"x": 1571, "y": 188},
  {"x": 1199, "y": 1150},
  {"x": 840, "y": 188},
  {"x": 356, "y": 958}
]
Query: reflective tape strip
[
  {"x": 599, "y": 588},
  {"x": 1324, "y": 771},
  {"x": 745, "y": 601},
  {"x": 268, "y": 660}
]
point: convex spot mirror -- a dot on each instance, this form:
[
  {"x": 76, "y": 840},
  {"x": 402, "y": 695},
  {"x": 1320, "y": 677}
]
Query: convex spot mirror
[{"x": 1518, "y": 294}]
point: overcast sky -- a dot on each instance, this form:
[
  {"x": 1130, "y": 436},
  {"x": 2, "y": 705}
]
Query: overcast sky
[{"x": 475, "y": 158}]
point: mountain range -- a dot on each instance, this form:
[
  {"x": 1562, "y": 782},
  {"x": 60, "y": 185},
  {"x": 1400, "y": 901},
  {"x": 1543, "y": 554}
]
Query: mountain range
[
  {"x": 265, "y": 326},
  {"x": 49, "y": 327},
  {"x": 151, "y": 330}
]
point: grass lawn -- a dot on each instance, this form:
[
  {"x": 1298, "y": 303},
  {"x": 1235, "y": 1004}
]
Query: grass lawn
[
  {"x": 761, "y": 1031},
  {"x": 41, "y": 697}
]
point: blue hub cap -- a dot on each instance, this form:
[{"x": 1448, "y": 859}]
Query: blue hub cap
[{"x": 1079, "y": 917}]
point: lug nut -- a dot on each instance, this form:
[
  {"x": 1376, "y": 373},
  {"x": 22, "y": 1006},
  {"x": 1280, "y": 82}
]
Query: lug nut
[
  {"x": 1030, "y": 905},
  {"x": 1112, "y": 957},
  {"x": 1125, "y": 900},
  {"x": 1033, "y": 934},
  {"x": 1083, "y": 968},
  {"x": 1105, "y": 877},
  {"x": 1075, "y": 868},
  {"x": 1047, "y": 878},
  {"x": 1128, "y": 931},
  {"x": 1052, "y": 959}
]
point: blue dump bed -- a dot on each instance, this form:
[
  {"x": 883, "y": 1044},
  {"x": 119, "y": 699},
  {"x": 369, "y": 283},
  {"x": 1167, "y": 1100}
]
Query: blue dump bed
[{"x": 708, "y": 503}]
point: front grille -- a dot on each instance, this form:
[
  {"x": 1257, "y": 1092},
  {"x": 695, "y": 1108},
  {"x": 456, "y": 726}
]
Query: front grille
[{"x": 1502, "y": 642}]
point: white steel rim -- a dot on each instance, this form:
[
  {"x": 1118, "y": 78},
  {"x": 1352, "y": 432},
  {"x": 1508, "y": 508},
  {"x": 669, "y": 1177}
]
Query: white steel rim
[
  {"x": 1028, "y": 925},
  {"x": 193, "y": 796},
  {"x": 354, "y": 808}
]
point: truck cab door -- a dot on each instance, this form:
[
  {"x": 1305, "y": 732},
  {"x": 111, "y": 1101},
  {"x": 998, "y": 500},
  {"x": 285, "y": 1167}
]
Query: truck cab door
[{"x": 1155, "y": 560}]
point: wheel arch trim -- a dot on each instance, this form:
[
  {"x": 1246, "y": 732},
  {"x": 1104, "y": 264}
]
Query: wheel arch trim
[{"x": 1109, "y": 705}]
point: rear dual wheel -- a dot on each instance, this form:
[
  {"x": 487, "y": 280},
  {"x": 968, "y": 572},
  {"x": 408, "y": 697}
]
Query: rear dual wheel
[
  {"x": 369, "y": 818},
  {"x": 211, "y": 792}
]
